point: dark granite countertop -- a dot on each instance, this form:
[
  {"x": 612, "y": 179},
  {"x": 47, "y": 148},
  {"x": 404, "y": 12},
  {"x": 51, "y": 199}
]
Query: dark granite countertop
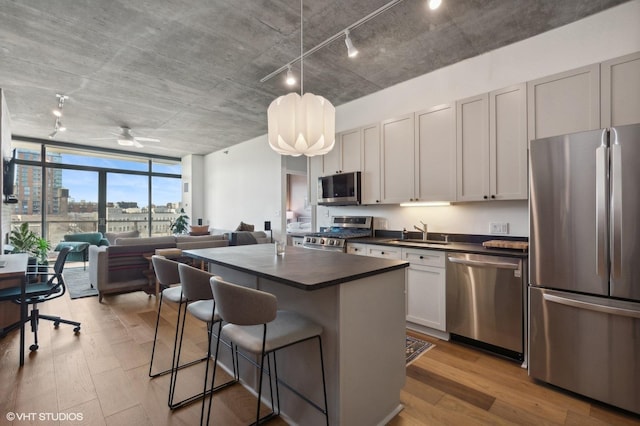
[
  {"x": 301, "y": 268},
  {"x": 452, "y": 246}
]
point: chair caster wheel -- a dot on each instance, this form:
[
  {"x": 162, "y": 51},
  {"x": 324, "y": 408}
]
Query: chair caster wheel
[
  {"x": 56, "y": 324},
  {"x": 33, "y": 347},
  {"x": 76, "y": 330}
]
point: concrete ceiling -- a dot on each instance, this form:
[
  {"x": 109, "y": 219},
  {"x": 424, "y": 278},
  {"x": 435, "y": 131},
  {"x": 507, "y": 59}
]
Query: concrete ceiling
[{"x": 188, "y": 71}]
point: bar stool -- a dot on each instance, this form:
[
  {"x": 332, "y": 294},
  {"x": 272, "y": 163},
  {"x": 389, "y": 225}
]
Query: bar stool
[
  {"x": 167, "y": 275},
  {"x": 255, "y": 325},
  {"x": 196, "y": 290}
]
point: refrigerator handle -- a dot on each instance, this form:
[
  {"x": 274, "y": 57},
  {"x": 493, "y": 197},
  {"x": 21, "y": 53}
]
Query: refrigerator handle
[
  {"x": 616, "y": 205},
  {"x": 601, "y": 209},
  {"x": 581, "y": 304}
]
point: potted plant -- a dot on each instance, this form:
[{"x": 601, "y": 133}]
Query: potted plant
[
  {"x": 180, "y": 225},
  {"x": 25, "y": 240}
]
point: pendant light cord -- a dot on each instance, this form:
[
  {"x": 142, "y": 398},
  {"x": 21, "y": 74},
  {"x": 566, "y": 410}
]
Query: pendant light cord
[{"x": 301, "y": 53}]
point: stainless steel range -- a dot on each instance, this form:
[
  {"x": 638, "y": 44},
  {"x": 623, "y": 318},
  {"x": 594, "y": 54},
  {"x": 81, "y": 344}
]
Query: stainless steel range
[{"x": 342, "y": 228}]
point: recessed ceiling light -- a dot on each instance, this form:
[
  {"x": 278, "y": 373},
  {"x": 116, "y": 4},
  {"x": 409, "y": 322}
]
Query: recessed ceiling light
[{"x": 57, "y": 112}]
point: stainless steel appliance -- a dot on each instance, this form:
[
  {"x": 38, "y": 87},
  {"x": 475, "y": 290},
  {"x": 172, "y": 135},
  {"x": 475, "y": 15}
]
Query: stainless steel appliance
[
  {"x": 584, "y": 292},
  {"x": 343, "y": 189},
  {"x": 485, "y": 301},
  {"x": 342, "y": 228}
]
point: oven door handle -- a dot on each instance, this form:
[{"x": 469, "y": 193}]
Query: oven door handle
[{"x": 468, "y": 262}]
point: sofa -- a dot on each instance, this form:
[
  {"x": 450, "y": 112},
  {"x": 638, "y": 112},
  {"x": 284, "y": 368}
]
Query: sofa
[
  {"x": 241, "y": 238},
  {"x": 126, "y": 267}
]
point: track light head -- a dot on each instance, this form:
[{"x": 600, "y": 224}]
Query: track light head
[
  {"x": 290, "y": 79},
  {"x": 351, "y": 50}
]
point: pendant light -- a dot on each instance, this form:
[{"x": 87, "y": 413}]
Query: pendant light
[{"x": 301, "y": 124}]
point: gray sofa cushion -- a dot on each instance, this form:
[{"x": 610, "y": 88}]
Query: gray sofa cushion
[
  {"x": 113, "y": 236},
  {"x": 150, "y": 241}
]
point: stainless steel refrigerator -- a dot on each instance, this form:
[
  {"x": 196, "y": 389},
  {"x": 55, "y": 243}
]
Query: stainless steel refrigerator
[{"x": 584, "y": 293}]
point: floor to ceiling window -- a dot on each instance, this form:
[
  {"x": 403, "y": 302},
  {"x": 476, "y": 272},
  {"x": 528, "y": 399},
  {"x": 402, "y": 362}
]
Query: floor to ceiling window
[{"x": 62, "y": 188}]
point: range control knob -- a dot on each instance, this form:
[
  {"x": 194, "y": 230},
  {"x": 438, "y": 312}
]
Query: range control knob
[
  {"x": 313, "y": 240},
  {"x": 322, "y": 241}
]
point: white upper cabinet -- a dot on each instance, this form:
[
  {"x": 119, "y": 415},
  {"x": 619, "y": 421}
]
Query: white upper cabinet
[
  {"x": 435, "y": 154},
  {"x": 620, "y": 103},
  {"x": 397, "y": 159},
  {"x": 472, "y": 117},
  {"x": 508, "y": 143},
  {"x": 370, "y": 160},
  {"x": 345, "y": 155},
  {"x": 492, "y": 146},
  {"x": 564, "y": 103}
]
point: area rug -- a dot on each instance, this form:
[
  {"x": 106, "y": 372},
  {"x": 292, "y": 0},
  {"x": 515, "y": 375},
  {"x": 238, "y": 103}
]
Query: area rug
[
  {"x": 415, "y": 348},
  {"x": 77, "y": 281}
]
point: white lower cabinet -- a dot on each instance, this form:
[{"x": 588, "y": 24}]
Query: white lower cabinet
[
  {"x": 385, "y": 252},
  {"x": 297, "y": 241},
  {"x": 357, "y": 248},
  {"x": 426, "y": 289}
]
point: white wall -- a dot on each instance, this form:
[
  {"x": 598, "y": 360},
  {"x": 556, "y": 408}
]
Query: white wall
[
  {"x": 614, "y": 32},
  {"x": 245, "y": 183},
  {"x": 193, "y": 176}
]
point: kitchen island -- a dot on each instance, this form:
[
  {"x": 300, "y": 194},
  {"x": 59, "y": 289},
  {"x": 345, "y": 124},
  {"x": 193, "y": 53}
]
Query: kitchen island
[{"x": 360, "y": 303}]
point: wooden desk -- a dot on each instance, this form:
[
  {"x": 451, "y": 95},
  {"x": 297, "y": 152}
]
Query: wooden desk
[{"x": 13, "y": 274}]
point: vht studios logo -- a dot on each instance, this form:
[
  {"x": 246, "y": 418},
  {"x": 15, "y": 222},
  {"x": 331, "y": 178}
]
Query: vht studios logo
[{"x": 55, "y": 417}]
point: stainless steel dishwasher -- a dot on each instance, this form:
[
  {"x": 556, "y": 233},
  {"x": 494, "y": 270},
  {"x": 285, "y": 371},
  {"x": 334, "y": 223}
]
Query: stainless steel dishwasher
[{"x": 485, "y": 301}]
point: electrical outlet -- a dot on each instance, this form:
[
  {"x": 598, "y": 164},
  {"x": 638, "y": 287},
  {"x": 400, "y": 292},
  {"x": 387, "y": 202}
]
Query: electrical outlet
[{"x": 499, "y": 228}]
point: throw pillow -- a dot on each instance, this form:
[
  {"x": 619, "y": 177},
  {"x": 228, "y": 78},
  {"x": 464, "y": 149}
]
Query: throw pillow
[
  {"x": 199, "y": 230},
  {"x": 245, "y": 227}
]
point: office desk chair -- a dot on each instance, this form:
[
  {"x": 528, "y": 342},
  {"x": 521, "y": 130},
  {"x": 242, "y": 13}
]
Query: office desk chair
[{"x": 39, "y": 292}]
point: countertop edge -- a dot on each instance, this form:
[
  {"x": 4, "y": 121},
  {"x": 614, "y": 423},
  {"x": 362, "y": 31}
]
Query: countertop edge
[
  {"x": 451, "y": 247},
  {"x": 307, "y": 287}
]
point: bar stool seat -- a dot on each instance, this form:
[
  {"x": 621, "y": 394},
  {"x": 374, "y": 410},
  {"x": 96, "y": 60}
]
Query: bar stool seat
[
  {"x": 173, "y": 294},
  {"x": 255, "y": 325},
  {"x": 203, "y": 310},
  {"x": 288, "y": 328}
]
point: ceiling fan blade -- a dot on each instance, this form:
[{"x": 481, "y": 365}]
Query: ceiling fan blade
[
  {"x": 137, "y": 144},
  {"x": 125, "y": 142},
  {"x": 147, "y": 139}
]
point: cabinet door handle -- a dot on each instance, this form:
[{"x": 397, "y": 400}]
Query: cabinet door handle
[
  {"x": 421, "y": 257},
  {"x": 485, "y": 197},
  {"x": 493, "y": 196}
]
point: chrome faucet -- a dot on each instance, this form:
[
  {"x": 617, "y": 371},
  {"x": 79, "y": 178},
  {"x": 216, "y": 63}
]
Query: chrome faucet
[{"x": 423, "y": 230}]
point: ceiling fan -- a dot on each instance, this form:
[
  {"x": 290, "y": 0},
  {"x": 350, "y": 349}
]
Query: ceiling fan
[{"x": 127, "y": 138}]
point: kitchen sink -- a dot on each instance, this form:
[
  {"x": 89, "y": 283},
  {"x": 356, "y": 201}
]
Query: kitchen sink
[{"x": 421, "y": 241}]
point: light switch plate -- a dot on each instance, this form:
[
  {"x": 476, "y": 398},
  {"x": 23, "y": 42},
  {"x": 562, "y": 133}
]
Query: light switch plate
[{"x": 499, "y": 228}]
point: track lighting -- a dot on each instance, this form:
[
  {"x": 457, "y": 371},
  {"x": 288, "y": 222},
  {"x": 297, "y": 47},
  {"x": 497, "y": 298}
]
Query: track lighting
[
  {"x": 57, "y": 125},
  {"x": 291, "y": 79},
  {"x": 434, "y": 4},
  {"x": 351, "y": 50}
]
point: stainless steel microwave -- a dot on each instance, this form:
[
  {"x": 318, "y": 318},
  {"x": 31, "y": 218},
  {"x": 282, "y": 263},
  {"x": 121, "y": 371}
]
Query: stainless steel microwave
[{"x": 339, "y": 190}]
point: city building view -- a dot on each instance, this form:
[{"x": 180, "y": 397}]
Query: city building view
[{"x": 68, "y": 198}]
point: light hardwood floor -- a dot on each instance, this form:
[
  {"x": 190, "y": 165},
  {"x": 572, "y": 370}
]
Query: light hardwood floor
[{"x": 102, "y": 375}]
